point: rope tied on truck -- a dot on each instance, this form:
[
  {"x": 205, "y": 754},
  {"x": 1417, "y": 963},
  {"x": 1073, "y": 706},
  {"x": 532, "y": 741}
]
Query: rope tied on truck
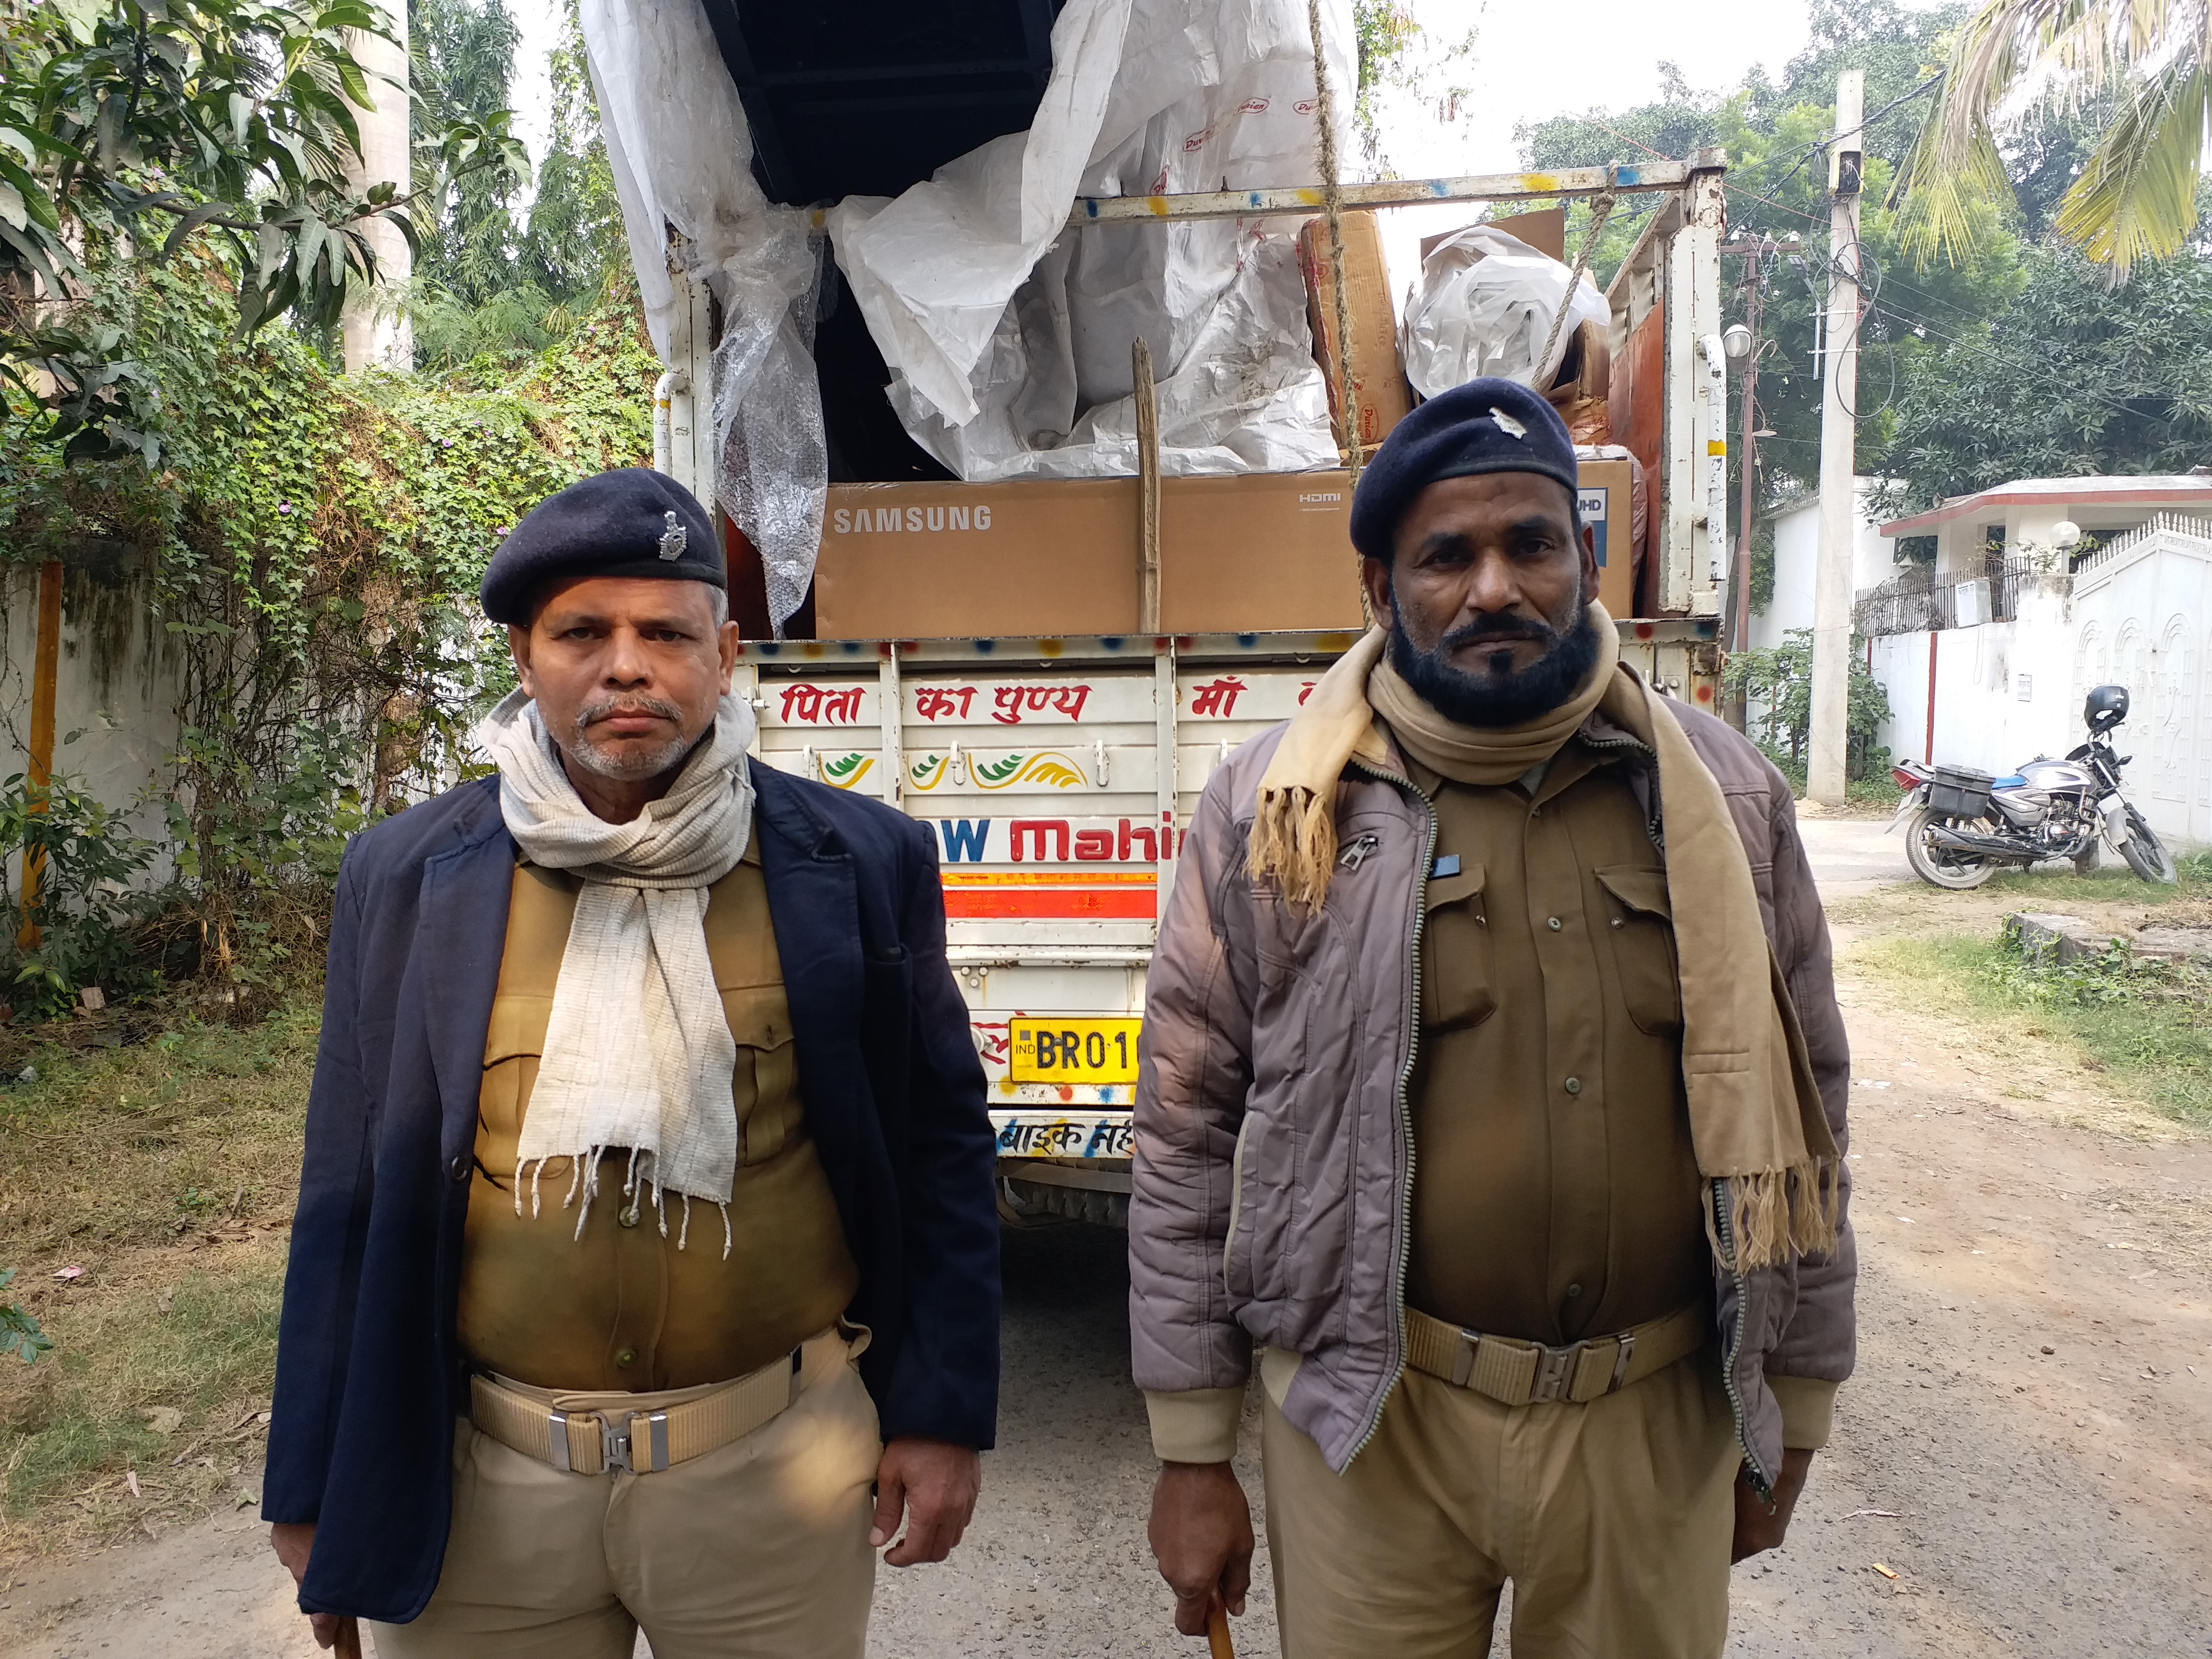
[
  {"x": 1602, "y": 206},
  {"x": 1332, "y": 210}
]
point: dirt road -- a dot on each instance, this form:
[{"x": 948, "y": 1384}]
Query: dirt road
[{"x": 2027, "y": 1444}]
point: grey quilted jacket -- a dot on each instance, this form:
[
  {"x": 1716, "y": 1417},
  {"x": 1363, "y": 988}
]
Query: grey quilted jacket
[{"x": 1272, "y": 1185}]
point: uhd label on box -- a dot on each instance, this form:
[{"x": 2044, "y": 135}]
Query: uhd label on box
[{"x": 1590, "y": 502}]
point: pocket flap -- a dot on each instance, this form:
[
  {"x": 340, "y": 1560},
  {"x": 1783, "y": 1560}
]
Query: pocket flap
[
  {"x": 1637, "y": 888},
  {"x": 1451, "y": 889},
  {"x": 517, "y": 1027},
  {"x": 759, "y": 1016}
]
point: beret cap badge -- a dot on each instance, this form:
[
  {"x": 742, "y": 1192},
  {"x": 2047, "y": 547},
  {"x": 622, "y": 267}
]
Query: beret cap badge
[{"x": 673, "y": 539}]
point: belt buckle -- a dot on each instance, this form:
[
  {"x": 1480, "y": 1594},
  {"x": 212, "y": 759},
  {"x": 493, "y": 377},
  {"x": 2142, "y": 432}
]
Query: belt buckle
[
  {"x": 1555, "y": 1370},
  {"x": 620, "y": 1441}
]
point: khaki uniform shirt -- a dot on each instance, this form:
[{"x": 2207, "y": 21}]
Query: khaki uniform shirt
[
  {"x": 1555, "y": 1195},
  {"x": 622, "y": 1309}
]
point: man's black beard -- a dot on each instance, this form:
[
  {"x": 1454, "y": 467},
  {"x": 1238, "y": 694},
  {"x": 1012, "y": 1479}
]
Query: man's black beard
[{"x": 1505, "y": 698}]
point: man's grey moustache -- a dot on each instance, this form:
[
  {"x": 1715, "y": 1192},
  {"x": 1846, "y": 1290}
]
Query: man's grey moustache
[{"x": 593, "y": 714}]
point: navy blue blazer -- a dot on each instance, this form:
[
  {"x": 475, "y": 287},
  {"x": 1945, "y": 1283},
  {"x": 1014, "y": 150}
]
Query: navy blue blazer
[{"x": 369, "y": 1375}]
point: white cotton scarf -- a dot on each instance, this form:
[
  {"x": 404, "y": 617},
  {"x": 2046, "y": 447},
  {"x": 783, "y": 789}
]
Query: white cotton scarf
[{"x": 638, "y": 1053}]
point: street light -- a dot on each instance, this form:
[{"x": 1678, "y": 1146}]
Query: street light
[{"x": 1735, "y": 343}]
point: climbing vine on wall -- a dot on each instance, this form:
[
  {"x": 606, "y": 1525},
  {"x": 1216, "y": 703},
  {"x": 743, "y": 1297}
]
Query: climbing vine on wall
[{"x": 309, "y": 552}]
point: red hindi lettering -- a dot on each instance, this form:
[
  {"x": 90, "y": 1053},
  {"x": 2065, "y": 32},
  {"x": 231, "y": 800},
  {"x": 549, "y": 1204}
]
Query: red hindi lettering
[
  {"x": 1305, "y": 691},
  {"x": 1009, "y": 700},
  {"x": 1218, "y": 698},
  {"x": 842, "y": 708},
  {"x": 1069, "y": 700},
  {"x": 802, "y": 704},
  {"x": 933, "y": 702}
]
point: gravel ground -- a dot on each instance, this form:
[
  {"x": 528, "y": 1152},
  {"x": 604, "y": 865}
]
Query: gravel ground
[{"x": 2027, "y": 1444}]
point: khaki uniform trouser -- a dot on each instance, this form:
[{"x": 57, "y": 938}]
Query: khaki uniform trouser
[
  {"x": 1614, "y": 1520},
  {"x": 758, "y": 1550}
]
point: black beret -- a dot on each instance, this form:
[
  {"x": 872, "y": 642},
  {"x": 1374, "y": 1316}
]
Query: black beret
[
  {"x": 629, "y": 522},
  {"x": 1490, "y": 425}
]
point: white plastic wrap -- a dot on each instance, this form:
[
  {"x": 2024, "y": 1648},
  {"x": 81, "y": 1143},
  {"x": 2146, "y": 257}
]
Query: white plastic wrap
[
  {"x": 1010, "y": 361},
  {"x": 681, "y": 155},
  {"x": 1001, "y": 366},
  {"x": 1484, "y": 306}
]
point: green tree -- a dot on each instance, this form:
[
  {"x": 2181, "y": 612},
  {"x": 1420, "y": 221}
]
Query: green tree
[
  {"x": 1775, "y": 131},
  {"x": 574, "y": 246},
  {"x": 2135, "y": 194},
  {"x": 2071, "y": 377},
  {"x": 134, "y": 131},
  {"x": 463, "y": 69}
]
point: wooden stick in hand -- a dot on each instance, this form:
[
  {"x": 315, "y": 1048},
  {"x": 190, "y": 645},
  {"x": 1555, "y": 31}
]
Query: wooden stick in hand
[
  {"x": 347, "y": 1645},
  {"x": 1217, "y": 1632}
]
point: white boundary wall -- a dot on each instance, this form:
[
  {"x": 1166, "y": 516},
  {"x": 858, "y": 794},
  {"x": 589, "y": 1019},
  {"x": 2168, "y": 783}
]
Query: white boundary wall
[
  {"x": 2142, "y": 608},
  {"x": 2139, "y": 614}
]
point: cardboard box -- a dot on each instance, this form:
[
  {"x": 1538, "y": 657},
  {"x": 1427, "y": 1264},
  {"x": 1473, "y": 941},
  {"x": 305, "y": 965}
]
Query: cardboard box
[
  {"x": 1545, "y": 230},
  {"x": 1257, "y": 552},
  {"x": 1038, "y": 556},
  {"x": 1049, "y": 558},
  {"x": 1379, "y": 388},
  {"x": 1607, "y": 508}
]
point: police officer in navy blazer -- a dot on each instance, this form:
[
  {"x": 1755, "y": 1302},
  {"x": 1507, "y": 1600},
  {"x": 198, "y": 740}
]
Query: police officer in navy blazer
[{"x": 645, "y": 1273}]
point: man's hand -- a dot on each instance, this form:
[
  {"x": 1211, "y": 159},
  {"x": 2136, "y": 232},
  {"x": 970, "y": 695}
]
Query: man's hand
[
  {"x": 1757, "y": 1526},
  {"x": 1201, "y": 1536},
  {"x": 935, "y": 1483},
  {"x": 292, "y": 1541}
]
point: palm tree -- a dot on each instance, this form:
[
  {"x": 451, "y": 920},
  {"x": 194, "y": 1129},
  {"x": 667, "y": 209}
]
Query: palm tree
[{"x": 2136, "y": 195}]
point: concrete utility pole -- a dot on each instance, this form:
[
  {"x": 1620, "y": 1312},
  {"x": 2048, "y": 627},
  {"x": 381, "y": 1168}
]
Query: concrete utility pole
[
  {"x": 373, "y": 332},
  {"x": 1832, "y": 588}
]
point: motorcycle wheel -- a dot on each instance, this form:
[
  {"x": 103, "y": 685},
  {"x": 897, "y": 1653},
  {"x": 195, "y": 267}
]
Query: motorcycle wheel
[
  {"x": 2145, "y": 852},
  {"x": 1938, "y": 866}
]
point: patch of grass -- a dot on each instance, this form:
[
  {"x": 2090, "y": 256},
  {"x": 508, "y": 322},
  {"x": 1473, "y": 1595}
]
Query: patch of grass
[
  {"x": 2155, "y": 1047},
  {"x": 203, "y": 1347},
  {"x": 167, "y": 1171}
]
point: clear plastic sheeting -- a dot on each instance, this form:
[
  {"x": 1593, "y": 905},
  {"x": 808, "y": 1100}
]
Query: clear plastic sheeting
[
  {"x": 1484, "y": 306},
  {"x": 1008, "y": 334},
  {"x": 681, "y": 155}
]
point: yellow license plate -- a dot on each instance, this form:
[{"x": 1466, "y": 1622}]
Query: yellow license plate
[{"x": 1073, "y": 1051}]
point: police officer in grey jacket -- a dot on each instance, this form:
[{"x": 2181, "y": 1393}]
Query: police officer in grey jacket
[{"x": 1493, "y": 1088}]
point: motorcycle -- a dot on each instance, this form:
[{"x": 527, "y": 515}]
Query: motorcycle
[{"x": 1962, "y": 826}]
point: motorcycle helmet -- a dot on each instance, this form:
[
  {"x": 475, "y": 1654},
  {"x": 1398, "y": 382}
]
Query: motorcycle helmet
[{"x": 2106, "y": 707}]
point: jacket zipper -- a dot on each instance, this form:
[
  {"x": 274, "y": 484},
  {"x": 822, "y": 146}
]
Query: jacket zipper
[
  {"x": 1405, "y": 1113},
  {"x": 1726, "y": 1228}
]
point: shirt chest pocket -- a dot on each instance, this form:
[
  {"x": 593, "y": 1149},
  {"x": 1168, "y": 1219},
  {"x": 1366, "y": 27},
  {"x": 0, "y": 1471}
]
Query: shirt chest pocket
[
  {"x": 765, "y": 1080},
  {"x": 1459, "y": 986},
  {"x": 1640, "y": 923}
]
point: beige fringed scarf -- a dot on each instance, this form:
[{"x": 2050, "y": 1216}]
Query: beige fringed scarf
[
  {"x": 1756, "y": 1118},
  {"x": 638, "y": 1051}
]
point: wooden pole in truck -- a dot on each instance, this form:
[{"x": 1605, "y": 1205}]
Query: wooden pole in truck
[
  {"x": 1831, "y": 589},
  {"x": 1148, "y": 488}
]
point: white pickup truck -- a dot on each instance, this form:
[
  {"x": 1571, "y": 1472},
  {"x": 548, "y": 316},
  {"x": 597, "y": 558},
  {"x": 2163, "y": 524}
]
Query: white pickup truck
[{"x": 1060, "y": 773}]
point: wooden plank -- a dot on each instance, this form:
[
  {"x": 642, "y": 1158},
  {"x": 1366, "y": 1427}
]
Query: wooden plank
[{"x": 1148, "y": 489}]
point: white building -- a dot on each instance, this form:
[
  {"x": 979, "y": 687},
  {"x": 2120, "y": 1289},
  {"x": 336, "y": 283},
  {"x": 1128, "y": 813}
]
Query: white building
[
  {"x": 1796, "y": 558},
  {"x": 1988, "y": 664}
]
